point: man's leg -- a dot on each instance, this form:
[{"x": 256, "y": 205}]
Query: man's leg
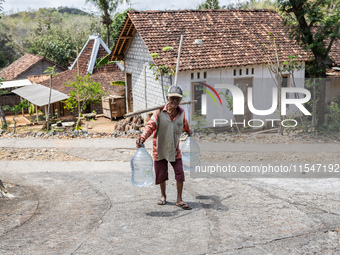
[
  {"x": 179, "y": 176},
  {"x": 161, "y": 171},
  {"x": 179, "y": 191},
  {"x": 163, "y": 188}
]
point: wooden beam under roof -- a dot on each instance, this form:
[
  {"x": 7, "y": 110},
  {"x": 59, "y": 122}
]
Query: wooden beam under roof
[
  {"x": 119, "y": 38},
  {"x": 121, "y": 47}
]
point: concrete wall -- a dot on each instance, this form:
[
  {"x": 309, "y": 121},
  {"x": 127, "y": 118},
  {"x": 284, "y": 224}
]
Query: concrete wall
[
  {"x": 137, "y": 62},
  {"x": 38, "y": 69},
  {"x": 332, "y": 89}
]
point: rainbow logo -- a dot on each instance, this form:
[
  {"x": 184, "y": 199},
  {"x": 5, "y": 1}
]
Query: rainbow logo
[{"x": 209, "y": 93}]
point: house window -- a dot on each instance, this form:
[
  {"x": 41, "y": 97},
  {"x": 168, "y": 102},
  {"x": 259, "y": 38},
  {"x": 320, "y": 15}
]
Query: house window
[
  {"x": 205, "y": 75},
  {"x": 240, "y": 71},
  {"x": 192, "y": 76},
  {"x": 285, "y": 84},
  {"x": 247, "y": 71},
  {"x": 198, "y": 75},
  {"x": 234, "y": 72},
  {"x": 197, "y": 93},
  {"x": 285, "y": 81},
  {"x": 252, "y": 71}
]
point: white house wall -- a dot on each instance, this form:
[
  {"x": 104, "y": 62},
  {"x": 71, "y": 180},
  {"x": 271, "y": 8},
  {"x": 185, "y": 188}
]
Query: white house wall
[
  {"x": 262, "y": 89},
  {"x": 137, "y": 62}
]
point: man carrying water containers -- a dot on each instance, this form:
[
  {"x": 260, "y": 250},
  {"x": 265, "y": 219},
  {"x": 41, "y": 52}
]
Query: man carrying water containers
[{"x": 167, "y": 125}]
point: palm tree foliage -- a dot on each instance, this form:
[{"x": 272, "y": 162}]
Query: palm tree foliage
[{"x": 107, "y": 7}]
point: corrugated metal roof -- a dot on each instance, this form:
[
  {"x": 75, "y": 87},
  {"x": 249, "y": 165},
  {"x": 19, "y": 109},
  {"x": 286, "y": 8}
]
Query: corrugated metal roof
[
  {"x": 38, "y": 94},
  {"x": 14, "y": 84}
]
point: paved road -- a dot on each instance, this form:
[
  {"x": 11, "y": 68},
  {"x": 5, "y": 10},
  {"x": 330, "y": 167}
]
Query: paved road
[{"x": 90, "y": 207}]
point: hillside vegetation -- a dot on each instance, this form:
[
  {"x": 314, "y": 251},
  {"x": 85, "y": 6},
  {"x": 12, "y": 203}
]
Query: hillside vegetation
[{"x": 55, "y": 33}]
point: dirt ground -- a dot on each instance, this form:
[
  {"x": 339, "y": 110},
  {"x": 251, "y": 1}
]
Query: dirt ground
[{"x": 99, "y": 125}]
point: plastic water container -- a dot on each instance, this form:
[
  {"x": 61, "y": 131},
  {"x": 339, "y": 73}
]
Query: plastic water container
[
  {"x": 141, "y": 168},
  {"x": 190, "y": 154}
]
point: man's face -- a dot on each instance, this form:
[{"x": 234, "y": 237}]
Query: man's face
[{"x": 174, "y": 101}]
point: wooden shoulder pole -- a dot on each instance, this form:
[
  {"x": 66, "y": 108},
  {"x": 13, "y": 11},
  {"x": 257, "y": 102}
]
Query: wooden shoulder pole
[{"x": 156, "y": 108}]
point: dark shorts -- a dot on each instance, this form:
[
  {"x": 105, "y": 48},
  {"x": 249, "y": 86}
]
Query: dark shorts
[{"x": 161, "y": 170}]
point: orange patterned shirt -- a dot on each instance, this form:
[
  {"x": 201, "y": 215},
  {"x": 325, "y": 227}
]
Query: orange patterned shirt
[{"x": 151, "y": 127}]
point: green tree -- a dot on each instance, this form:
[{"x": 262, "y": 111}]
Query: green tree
[
  {"x": 84, "y": 90},
  {"x": 117, "y": 22},
  {"x": 258, "y": 4},
  {"x": 15, "y": 110},
  {"x": 3, "y": 117},
  {"x": 58, "y": 45},
  {"x": 46, "y": 32},
  {"x": 161, "y": 70},
  {"x": 106, "y": 7},
  {"x": 50, "y": 71},
  {"x": 210, "y": 4},
  {"x": 314, "y": 25}
]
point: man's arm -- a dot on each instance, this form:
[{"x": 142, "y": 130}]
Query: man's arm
[
  {"x": 150, "y": 127},
  {"x": 186, "y": 127}
]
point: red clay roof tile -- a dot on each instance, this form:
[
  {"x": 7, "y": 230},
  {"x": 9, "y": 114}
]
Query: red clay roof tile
[
  {"x": 21, "y": 65},
  {"x": 104, "y": 75},
  {"x": 230, "y": 37}
]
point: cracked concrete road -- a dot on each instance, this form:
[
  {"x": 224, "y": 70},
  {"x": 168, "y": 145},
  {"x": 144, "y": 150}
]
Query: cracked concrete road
[{"x": 90, "y": 207}]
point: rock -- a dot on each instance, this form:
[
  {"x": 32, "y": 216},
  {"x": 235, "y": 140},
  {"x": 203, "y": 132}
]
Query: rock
[
  {"x": 212, "y": 136},
  {"x": 40, "y": 134},
  {"x": 89, "y": 127}
]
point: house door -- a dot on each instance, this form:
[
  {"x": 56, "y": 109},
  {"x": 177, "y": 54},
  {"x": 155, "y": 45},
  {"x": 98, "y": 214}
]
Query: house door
[
  {"x": 197, "y": 92},
  {"x": 129, "y": 95},
  {"x": 243, "y": 84}
]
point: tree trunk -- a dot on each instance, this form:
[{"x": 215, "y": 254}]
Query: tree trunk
[
  {"x": 4, "y": 123},
  {"x": 321, "y": 104},
  {"x": 49, "y": 106},
  {"x": 108, "y": 36},
  {"x": 163, "y": 89}
]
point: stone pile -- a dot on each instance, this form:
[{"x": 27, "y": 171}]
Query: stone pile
[
  {"x": 130, "y": 123},
  {"x": 72, "y": 134}
]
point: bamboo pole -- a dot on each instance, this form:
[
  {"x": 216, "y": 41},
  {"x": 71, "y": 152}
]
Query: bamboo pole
[
  {"x": 156, "y": 108},
  {"x": 178, "y": 57}
]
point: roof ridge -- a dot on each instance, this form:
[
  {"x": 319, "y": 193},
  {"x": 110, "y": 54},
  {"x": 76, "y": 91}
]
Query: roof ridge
[{"x": 203, "y": 10}]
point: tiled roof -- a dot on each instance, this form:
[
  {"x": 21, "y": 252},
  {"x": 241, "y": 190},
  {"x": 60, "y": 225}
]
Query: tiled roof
[
  {"x": 230, "y": 37},
  {"x": 104, "y": 75},
  {"x": 94, "y": 48},
  {"x": 38, "y": 78},
  {"x": 104, "y": 78},
  {"x": 335, "y": 52},
  {"x": 21, "y": 65},
  {"x": 331, "y": 73}
]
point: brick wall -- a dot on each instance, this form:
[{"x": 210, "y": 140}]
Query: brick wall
[{"x": 137, "y": 60}]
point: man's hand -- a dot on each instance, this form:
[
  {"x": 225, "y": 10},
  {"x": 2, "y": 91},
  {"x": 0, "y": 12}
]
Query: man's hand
[{"x": 139, "y": 142}]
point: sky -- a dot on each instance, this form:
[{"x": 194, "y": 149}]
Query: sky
[{"x": 13, "y": 6}]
